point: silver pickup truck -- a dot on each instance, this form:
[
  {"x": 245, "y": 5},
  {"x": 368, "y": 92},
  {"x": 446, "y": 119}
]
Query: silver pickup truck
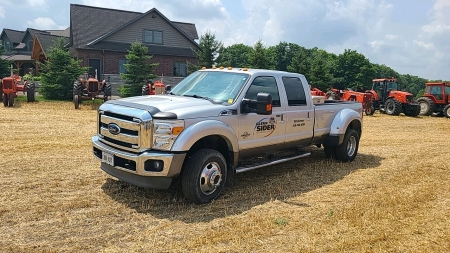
[{"x": 207, "y": 127}]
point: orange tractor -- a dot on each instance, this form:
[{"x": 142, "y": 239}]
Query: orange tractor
[
  {"x": 350, "y": 95},
  {"x": 89, "y": 89},
  {"x": 388, "y": 99},
  {"x": 436, "y": 99},
  {"x": 10, "y": 86},
  {"x": 155, "y": 88}
]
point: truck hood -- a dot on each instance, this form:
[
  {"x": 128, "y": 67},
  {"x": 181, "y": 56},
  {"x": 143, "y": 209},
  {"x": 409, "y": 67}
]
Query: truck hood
[{"x": 183, "y": 107}]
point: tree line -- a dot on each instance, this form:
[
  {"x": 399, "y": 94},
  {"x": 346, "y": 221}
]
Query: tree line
[{"x": 323, "y": 69}]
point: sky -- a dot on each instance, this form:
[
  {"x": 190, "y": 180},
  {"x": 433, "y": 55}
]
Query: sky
[{"x": 410, "y": 36}]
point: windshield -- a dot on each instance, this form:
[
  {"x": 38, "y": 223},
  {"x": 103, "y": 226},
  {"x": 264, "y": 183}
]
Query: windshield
[
  {"x": 218, "y": 87},
  {"x": 391, "y": 86}
]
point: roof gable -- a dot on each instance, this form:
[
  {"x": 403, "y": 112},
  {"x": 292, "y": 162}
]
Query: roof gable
[
  {"x": 32, "y": 32},
  {"x": 47, "y": 40},
  {"x": 90, "y": 24},
  {"x": 13, "y": 35},
  {"x": 153, "y": 11}
]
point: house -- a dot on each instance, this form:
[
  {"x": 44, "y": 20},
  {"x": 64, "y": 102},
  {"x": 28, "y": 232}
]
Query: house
[
  {"x": 101, "y": 38},
  {"x": 19, "y": 46}
]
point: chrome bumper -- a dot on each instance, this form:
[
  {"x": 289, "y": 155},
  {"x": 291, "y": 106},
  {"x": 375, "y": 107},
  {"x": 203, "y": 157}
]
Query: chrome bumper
[{"x": 172, "y": 162}]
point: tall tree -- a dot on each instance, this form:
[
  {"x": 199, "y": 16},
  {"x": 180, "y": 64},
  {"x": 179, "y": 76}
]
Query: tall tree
[
  {"x": 59, "y": 72},
  {"x": 139, "y": 70},
  {"x": 258, "y": 58},
  {"x": 4, "y": 64},
  {"x": 237, "y": 55},
  {"x": 209, "y": 50},
  {"x": 354, "y": 69}
]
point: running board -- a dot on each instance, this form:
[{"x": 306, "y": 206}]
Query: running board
[{"x": 271, "y": 162}]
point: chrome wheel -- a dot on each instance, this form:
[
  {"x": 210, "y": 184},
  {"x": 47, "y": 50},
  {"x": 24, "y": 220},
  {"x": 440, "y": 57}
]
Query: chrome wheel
[
  {"x": 424, "y": 107},
  {"x": 351, "y": 146},
  {"x": 210, "y": 178}
]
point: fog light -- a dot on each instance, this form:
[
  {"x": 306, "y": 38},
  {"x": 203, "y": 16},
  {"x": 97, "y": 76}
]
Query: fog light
[
  {"x": 157, "y": 165},
  {"x": 154, "y": 165}
]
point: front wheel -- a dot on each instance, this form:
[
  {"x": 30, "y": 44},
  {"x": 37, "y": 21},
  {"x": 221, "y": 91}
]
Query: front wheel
[
  {"x": 369, "y": 110},
  {"x": 5, "y": 99},
  {"x": 76, "y": 101},
  {"x": 447, "y": 111},
  {"x": 11, "y": 99},
  {"x": 204, "y": 176},
  {"x": 31, "y": 88}
]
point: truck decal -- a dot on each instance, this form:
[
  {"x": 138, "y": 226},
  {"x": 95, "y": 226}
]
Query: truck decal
[{"x": 265, "y": 126}]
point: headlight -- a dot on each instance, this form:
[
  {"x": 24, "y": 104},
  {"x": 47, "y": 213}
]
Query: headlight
[{"x": 165, "y": 132}]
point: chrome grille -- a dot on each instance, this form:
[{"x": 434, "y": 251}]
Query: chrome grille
[{"x": 135, "y": 127}]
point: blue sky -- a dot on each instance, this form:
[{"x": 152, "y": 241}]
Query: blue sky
[{"x": 411, "y": 36}]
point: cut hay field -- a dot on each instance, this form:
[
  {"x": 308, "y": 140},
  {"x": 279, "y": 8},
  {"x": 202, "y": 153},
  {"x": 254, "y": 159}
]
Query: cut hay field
[{"x": 395, "y": 197}]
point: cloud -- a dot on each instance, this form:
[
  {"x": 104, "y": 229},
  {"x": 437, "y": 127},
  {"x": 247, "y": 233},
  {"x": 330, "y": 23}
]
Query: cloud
[
  {"x": 2, "y": 12},
  {"x": 44, "y": 23}
]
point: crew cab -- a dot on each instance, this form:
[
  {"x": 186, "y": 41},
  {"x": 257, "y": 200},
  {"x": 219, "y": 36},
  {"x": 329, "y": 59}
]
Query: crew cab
[{"x": 203, "y": 131}]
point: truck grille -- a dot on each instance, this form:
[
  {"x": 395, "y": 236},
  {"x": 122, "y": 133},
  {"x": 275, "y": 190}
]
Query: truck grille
[{"x": 135, "y": 128}]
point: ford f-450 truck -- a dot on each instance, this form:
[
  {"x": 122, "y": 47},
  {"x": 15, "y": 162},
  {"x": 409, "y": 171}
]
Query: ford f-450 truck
[{"x": 203, "y": 130}]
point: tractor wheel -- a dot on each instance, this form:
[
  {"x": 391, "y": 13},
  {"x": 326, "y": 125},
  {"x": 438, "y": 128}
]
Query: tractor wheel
[
  {"x": 145, "y": 90},
  {"x": 413, "y": 112},
  {"x": 5, "y": 99},
  {"x": 77, "y": 88},
  {"x": 370, "y": 111},
  {"x": 447, "y": 111},
  {"x": 204, "y": 176},
  {"x": 331, "y": 95},
  {"x": 11, "y": 99},
  {"x": 76, "y": 101},
  {"x": 31, "y": 92},
  {"x": 107, "y": 92},
  {"x": 426, "y": 106},
  {"x": 393, "y": 107}
]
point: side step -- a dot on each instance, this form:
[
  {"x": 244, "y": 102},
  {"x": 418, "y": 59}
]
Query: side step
[{"x": 271, "y": 162}]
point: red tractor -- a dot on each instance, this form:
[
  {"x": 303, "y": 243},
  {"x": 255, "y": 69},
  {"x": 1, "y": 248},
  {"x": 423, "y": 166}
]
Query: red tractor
[
  {"x": 156, "y": 88},
  {"x": 364, "y": 98},
  {"x": 10, "y": 86},
  {"x": 388, "y": 99},
  {"x": 89, "y": 89},
  {"x": 317, "y": 92},
  {"x": 436, "y": 99}
]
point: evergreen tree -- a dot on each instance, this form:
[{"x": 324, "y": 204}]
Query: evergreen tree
[
  {"x": 258, "y": 58},
  {"x": 4, "y": 64},
  {"x": 59, "y": 72},
  {"x": 139, "y": 70},
  {"x": 208, "y": 52}
]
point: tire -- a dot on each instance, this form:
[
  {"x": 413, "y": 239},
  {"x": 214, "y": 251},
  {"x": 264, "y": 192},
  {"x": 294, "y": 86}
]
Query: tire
[
  {"x": 393, "y": 107},
  {"x": 347, "y": 151},
  {"x": 426, "y": 106},
  {"x": 11, "y": 99},
  {"x": 76, "y": 101},
  {"x": 107, "y": 90},
  {"x": 204, "y": 176},
  {"x": 145, "y": 90},
  {"x": 413, "y": 112},
  {"x": 5, "y": 99},
  {"x": 77, "y": 88},
  {"x": 330, "y": 152},
  {"x": 447, "y": 111},
  {"x": 31, "y": 88},
  {"x": 370, "y": 111},
  {"x": 331, "y": 95}
]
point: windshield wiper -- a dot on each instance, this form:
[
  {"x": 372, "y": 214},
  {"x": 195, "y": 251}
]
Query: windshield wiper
[{"x": 197, "y": 96}]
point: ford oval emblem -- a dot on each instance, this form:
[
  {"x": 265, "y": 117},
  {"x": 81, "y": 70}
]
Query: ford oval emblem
[{"x": 113, "y": 128}]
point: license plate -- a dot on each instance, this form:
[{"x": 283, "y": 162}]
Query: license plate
[{"x": 108, "y": 158}]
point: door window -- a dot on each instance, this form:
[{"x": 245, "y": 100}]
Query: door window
[{"x": 266, "y": 84}]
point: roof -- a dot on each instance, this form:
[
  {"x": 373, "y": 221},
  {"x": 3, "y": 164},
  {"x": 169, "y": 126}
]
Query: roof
[
  {"x": 33, "y": 32},
  {"x": 88, "y": 23},
  {"x": 46, "y": 41},
  {"x": 63, "y": 33},
  {"x": 17, "y": 57},
  {"x": 13, "y": 35},
  {"x": 153, "y": 49}
]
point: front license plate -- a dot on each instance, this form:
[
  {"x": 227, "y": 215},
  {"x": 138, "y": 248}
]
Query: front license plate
[{"x": 108, "y": 158}]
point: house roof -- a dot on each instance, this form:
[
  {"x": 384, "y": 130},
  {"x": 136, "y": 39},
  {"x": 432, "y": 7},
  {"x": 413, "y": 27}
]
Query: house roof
[
  {"x": 153, "y": 49},
  {"x": 88, "y": 24},
  {"x": 33, "y": 32},
  {"x": 13, "y": 35},
  {"x": 63, "y": 33},
  {"x": 46, "y": 41},
  {"x": 17, "y": 57}
]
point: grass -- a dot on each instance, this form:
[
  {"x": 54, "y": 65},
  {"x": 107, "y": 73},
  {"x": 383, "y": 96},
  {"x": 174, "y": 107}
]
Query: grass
[{"x": 395, "y": 197}]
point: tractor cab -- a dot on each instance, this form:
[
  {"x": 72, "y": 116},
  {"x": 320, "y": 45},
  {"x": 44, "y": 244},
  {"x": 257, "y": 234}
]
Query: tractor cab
[
  {"x": 436, "y": 99},
  {"x": 383, "y": 87},
  {"x": 440, "y": 91}
]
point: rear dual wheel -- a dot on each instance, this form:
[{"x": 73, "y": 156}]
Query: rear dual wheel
[{"x": 347, "y": 151}]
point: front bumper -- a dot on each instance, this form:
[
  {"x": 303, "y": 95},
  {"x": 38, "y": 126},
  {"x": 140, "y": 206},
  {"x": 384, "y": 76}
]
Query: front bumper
[{"x": 134, "y": 168}]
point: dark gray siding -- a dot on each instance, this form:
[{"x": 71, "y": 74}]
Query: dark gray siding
[
  {"x": 134, "y": 32},
  {"x": 28, "y": 39},
  {"x": 5, "y": 41}
]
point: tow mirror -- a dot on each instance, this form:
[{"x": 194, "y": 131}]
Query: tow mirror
[
  {"x": 263, "y": 104},
  {"x": 168, "y": 88}
]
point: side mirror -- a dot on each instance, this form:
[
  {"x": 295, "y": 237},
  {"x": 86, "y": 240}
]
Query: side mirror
[
  {"x": 168, "y": 88},
  {"x": 263, "y": 104}
]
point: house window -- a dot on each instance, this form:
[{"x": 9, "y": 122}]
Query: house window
[
  {"x": 179, "y": 69},
  {"x": 30, "y": 45},
  {"x": 154, "y": 37},
  {"x": 6, "y": 46},
  {"x": 121, "y": 66}
]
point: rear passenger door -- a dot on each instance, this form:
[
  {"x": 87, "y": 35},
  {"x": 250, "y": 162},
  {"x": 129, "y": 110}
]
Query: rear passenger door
[
  {"x": 260, "y": 132},
  {"x": 299, "y": 113}
]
